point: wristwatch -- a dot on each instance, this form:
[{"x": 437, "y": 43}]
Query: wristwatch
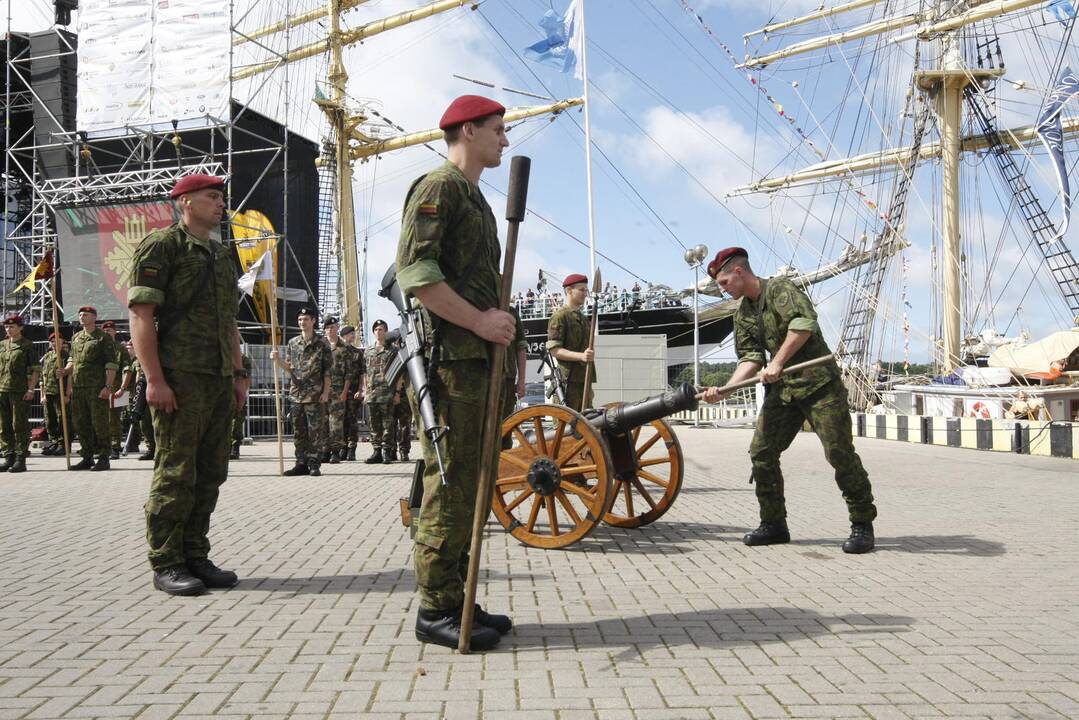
[{"x": 241, "y": 373}]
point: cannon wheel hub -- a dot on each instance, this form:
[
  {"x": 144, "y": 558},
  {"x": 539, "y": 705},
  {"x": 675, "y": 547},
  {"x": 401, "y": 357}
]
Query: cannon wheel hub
[{"x": 544, "y": 476}]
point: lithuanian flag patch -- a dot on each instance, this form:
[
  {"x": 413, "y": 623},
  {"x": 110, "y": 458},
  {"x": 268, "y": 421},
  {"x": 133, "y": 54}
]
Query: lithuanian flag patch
[{"x": 429, "y": 209}]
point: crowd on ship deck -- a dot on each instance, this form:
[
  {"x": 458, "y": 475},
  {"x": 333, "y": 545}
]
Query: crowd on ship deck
[{"x": 532, "y": 304}]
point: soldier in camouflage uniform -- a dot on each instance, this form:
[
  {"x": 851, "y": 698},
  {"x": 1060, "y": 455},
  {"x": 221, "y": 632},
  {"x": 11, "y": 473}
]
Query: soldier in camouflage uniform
[
  {"x": 308, "y": 361},
  {"x": 340, "y": 391},
  {"x": 50, "y": 396},
  {"x": 354, "y": 404},
  {"x": 92, "y": 368},
  {"x": 516, "y": 357},
  {"x": 567, "y": 341},
  {"x": 448, "y": 259},
  {"x": 376, "y": 360},
  {"x": 777, "y": 318},
  {"x": 399, "y": 432},
  {"x": 19, "y": 372},
  {"x": 239, "y": 417},
  {"x": 144, "y": 425},
  {"x": 122, "y": 383},
  {"x": 186, "y": 280}
]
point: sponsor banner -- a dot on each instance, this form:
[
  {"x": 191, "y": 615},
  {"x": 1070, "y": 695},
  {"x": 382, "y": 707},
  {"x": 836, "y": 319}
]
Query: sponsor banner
[
  {"x": 114, "y": 67},
  {"x": 191, "y": 59}
]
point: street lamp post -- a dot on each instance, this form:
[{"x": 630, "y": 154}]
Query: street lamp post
[{"x": 694, "y": 257}]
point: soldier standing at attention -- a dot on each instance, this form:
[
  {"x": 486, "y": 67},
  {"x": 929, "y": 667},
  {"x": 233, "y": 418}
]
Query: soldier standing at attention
[
  {"x": 399, "y": 436},
  {"x": 448, "y": 258},
  {"x": 376, "y": 360},
  {"x": 308, "y": 362},
  {"x": 50, "y": 396},
  {"x": 122, "y": 383},
  {"x": 194, "y": 378},
  {"x": 19, "y": 372},
  {"x": 777, "y": 318},
  {"x": 354, "y": 405},
  {"x": 340, "y": 390},
  {"x": 568, "y": 341},
  {"x": 92, "y": 368},
  {"x": 239, "y": 416}
]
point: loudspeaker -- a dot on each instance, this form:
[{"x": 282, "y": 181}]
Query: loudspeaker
[{"x": 53, "y": 78}]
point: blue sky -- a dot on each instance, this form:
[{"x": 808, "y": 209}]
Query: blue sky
[{"x": 682, "y": 128}]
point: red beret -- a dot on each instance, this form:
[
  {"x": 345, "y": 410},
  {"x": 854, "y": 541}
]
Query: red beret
[
  {"x": 89, "y": 309},
  {"x": 574, "y": 279},
  {"x": 722, "y": 257},
  {"x": 469, "y": 107},
  {"x": 108, "y": 324},
  {"x": 13, "y": 319},
  {"x": 198, "y": 181}
]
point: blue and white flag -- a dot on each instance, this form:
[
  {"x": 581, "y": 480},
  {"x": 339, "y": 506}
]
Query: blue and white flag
[
  {"x": 562, "y": 46},
  {"x": 1062, "y": 10},
  {"x": 1052, "y": 136}
]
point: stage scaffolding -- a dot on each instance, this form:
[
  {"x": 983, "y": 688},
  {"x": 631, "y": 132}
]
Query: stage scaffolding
[{"x": 130, "y": 163}]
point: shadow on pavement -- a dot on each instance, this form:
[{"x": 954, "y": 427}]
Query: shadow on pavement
[
  {"x": 925, "y": 545},
  {"x": 717, "y": 628},
  {"x": 663, "y": 536},
  {"x": 387, "y": 581}
]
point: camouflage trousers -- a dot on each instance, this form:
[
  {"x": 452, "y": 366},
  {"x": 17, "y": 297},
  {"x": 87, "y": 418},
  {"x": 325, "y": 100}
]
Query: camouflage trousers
[
  {"x": 574, "y": 393},
  {"x": 509, "y": 404},
  {"x": 14, "y": 424},
  {"x": 444, "y": 526},
  {"x": 400, "y": 432},
  {"x": 335, "y": 422},
  {"x": 91, "y": 416},
  {"x": 239, "y": 416},
  {"x": 828, "y": 412},
  {"x": 353, "y": 416},
  {"x": 54, "y": 422},
  {"x": 116, "y": 425},
  {"x": 309, "y": 438},
  {"x": 378, "y": 421},
  {"x": 146, "y": 430},
  {"x": 190, "y": 465}
]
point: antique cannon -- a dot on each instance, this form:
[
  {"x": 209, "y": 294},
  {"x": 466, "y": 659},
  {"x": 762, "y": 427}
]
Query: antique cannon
[{"x": 562, "y": 472}]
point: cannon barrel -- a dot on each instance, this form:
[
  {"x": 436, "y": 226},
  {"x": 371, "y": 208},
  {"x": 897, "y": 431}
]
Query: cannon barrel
[{"x": 624, "y": 418}]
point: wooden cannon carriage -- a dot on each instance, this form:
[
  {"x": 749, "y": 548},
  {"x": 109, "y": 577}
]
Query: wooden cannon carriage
[{"x": 561, "y": 472}]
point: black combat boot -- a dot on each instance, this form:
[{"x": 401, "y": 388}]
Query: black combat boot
[
  {"x": 404, "y": 455},
  {"x": 375, "y": 459},
  {"x": 335, "y": 457},
  {"x": 315, "y": 471},
  {"x": 352, "y": 452},
  {"x": 85, "y": 464},
  {"x": 9, "y": 460},
  {"x": 19, "y": 465},
  {"x": 211, "y": 575},
  {"x": 115, "y": 453},
  {"x": 390, "y": 454},
  {"x": 49, "y": 449},
  {"x": 101, "y": 464},
  {"x": 148, "y": 455},
  {"x": 770, "y": 532},
  {"x": 176, "y": 580},
  {"x": 443, "y": 627},
  {"x": 325, "y": 456},
  {"x": 234, "y": 454},
  {"x": 861, "y": 538},
  {"x": 500, "y": 623},
  {"x": 297, "y": 469}
]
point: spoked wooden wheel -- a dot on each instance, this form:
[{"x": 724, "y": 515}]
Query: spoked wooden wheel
[
  {"x": 641, "y": 496},
  {"x": 553, "y": 481}
]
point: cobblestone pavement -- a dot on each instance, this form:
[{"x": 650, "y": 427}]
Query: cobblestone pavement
[{"x": 967, "y": 609}]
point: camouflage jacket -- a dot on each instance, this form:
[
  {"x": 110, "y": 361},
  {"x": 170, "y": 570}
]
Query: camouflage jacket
[
  {"x": 519, "y": 341},
  {"x": 123, "y": 362},
  {"x": 377, "y": 360},
  {"x": 762, "y": 325},
  {"x": 91, "y": 355},
  {"x": 449, "y": 233},
  {"x": 569, "y": 328},
  {"x": 310, "y": 362},
  {"x": 342, "y": 367},
  {"x": 192, "y": 283},
  {"x": 18, "y": 362},
  {"x": 50, "y": 383},
  {"x": 357, "y": 368}
]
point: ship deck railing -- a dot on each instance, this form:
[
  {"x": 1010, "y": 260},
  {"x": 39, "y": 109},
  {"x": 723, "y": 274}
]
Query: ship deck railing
[{"x": 543, "y": 306}]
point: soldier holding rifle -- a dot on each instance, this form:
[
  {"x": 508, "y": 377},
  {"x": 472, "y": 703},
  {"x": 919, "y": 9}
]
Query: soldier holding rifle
[
  {"x": 448, "y": 258},
  {"x": 776, "y": 317}
]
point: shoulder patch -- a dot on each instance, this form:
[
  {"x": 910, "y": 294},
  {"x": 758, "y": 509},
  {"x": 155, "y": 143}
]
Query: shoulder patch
[{"x": 428, "y": 208}]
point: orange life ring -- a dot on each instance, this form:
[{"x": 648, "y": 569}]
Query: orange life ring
[{"x": 980, "y": 410}]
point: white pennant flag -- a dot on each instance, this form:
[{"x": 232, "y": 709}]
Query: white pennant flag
[{"x": 262, "y": 269}]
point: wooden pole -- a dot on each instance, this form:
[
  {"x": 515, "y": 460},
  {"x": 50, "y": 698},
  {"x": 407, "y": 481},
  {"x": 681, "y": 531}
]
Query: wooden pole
[
  {"x": 597, "y": 279},
  {"x": 58, "y": 346},
  {"x": 750, "y": 382},
  {"x": 276, "y": 379},
  {"x": 489, "y": 447}
]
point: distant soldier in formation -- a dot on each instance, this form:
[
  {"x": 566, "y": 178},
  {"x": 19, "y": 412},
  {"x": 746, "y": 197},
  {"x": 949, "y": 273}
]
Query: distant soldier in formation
[
  {"x": 354, "y": 405},
  {"x": 568, "y": 341},
  {"x": 19, "y": 372},
  {"x": 340, "y": 390},
  {"x": 121, "y": 383},
  {"x": 50, "y": 396},
  {"x": 377, "y": 391},
  {"x": 92, "y": 369},
  {"x": 239, "y": 417},
  {"x": 399, "y": 434},
  {"x": 144, "y": 424},
  {"x": 777, "y": 319},
  {"x": 182, "y": 305},
  {"x": 308, "y": 361}
]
